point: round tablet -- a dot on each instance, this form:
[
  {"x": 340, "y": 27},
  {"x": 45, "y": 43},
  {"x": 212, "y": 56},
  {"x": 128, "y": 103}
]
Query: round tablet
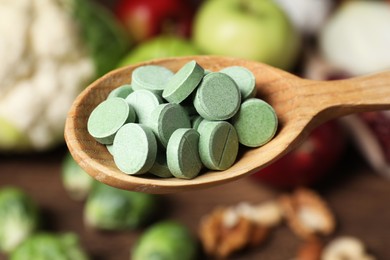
[
  {"x": 143, "y": 102},
  {"x": 217, "y": 97},
  {"x": 256, "y": 122},
  {"x": 188, "y": 105},
  {"x": 110, "y": 148},
  {"x": 160, "y": 166},
  {"x": 183, "y": 155},
  {"x": 121, "y": 91},
  {"x": 151, "y": 77},
  {"x": 165, "y": 119},
  {"x": 181, "y": 85},
  {"x": 206, "y": 71},
  {"x": 218, "y": 144},
  {"x": 102, "y": 125},
  {"x": 135, "y": 149},
  {"x": 244, "y": 79},
  {"x": 195, "y": 121}
]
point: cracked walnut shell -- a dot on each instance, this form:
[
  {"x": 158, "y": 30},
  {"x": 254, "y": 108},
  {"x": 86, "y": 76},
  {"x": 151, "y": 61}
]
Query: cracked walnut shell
[
  {"x": 224, "y": 232},
  {"x": 307, "y": 214}
]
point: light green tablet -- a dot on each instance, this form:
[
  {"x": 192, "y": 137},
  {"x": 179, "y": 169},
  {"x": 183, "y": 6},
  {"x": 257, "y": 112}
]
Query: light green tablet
[
  {"x": 183, "y": 83},
  {"x": 151, "y": 77},
  {"x": 110, "y": 148},
  {"x": 165, "y": 119},
  {"x": 195, "y": 121},
  {"x": 206, "y": 71},
  {"x": 218, "y": 144},
  {"x": 160, "y": 166},
  {"x": 143, "y": 102},
  {"x": 121, "y": 91},
  {"x": 217, "y": 97},
  {"x": 256, "y": 122},
  {"x": 135, "y": 149},
  {"x": 183, "y": 155},
  {"x": 102, "y": 125},
  {"x": 188, "y": 105},
  {"x": 244, "y": 79}
]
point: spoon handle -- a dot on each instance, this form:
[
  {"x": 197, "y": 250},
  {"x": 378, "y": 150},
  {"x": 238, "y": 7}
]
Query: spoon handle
[{"x": 342, "y": 97}]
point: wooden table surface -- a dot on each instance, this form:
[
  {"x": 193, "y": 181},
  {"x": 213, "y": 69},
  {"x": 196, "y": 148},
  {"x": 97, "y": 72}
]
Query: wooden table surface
[{"x": 359, "y": 198}]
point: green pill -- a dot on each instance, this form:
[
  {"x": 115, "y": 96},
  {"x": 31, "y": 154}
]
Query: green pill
[
  {"x": 217, "y": 97},
  {"x": 110, "y": 148},
  {"x": 165, "y": 119},
  {"x": 183, "y": 83},
  {"x": 160, "y": 166},
  {"x": 121, "y": 91},
  {"x": 218, "y": 144},
  {"x": 183, "y": 154},
  {"x": 106, "y": 119},
  {"x": 188, "y": 105},
  {"x": 143, "y": 102},
  {"x": 206, "y": 71},
  {"x": 256, "y": 122},
  {"x": 151, "y": 77},
  {"x": 135, "y": 149},
  {"x": 195, "y": 121},
  {"x": 244, "y": 79}
]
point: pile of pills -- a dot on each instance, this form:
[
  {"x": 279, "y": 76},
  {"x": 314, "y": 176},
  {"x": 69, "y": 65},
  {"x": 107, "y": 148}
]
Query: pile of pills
[{"x": 174, "y": 124}]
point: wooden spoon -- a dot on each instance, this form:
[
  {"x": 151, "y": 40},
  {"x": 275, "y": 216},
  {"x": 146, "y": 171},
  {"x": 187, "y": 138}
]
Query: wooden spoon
[{"x": 300, "y": 104}]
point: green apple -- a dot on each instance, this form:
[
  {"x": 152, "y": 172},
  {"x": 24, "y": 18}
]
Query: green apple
[
  {"x": 250, "y": 29},
  {"x": 160, "y": 47}
]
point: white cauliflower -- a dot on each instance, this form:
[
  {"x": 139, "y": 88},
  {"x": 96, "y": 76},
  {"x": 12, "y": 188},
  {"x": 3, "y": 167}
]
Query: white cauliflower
[{"x": 45, "y": 63}]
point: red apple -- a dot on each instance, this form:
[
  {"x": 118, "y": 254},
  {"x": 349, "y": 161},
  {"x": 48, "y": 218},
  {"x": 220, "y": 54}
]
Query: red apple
[
  {"x": 147, "y": 18},
  {"x": 379, "y": 124},
  {"x": 309, "y": 162}
]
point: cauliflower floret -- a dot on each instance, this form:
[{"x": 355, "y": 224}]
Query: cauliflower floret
[
  {"x": 51, "y": 29},
  {"x": 15, "y": 17},
  {"x": 44, "y": 66}
]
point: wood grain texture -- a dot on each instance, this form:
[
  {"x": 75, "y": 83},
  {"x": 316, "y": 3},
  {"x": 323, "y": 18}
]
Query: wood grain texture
[{"x": 300, "y": 104}]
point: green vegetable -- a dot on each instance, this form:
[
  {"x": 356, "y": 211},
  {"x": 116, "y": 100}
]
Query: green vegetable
[
  {"x": 106, "y": 41},
  {"x": 11, "y": 137},
  {"x": 75, "y": 180},
  {"x": 47, "y": 246},
  {"x": 167, "y": 240},
  {"x": 18, "y": 218},
  {"x": 114, "y": 209},
  {"x": 160, "y": 47}
]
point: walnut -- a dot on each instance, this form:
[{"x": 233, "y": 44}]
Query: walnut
[
  {"x": 310, "y": 250},
  {"x": 224, "y": 232},
  {"x": 346, "y": 248},
  {"x": 267, "y": 213},
  {"x": 258, "y": 234},
  {"x": 307, "y": 214}
]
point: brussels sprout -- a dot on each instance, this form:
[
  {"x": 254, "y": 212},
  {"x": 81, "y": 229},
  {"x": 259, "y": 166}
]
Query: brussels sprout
[
  {"x": 113, "y": 209},
  {"x": 75, "y": 180},
  {"x": 167, "y": 240},
  {"x": 18, "y": 218},
  {"x": 48, "y": 246}
]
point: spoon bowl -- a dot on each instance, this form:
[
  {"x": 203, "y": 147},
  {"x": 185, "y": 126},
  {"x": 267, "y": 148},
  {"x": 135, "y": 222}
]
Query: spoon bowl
[{"x": 300, "y": 104}]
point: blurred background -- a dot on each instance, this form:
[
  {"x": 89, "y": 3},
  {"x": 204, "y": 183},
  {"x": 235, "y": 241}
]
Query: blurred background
[{"x": 327, "y": 199}]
